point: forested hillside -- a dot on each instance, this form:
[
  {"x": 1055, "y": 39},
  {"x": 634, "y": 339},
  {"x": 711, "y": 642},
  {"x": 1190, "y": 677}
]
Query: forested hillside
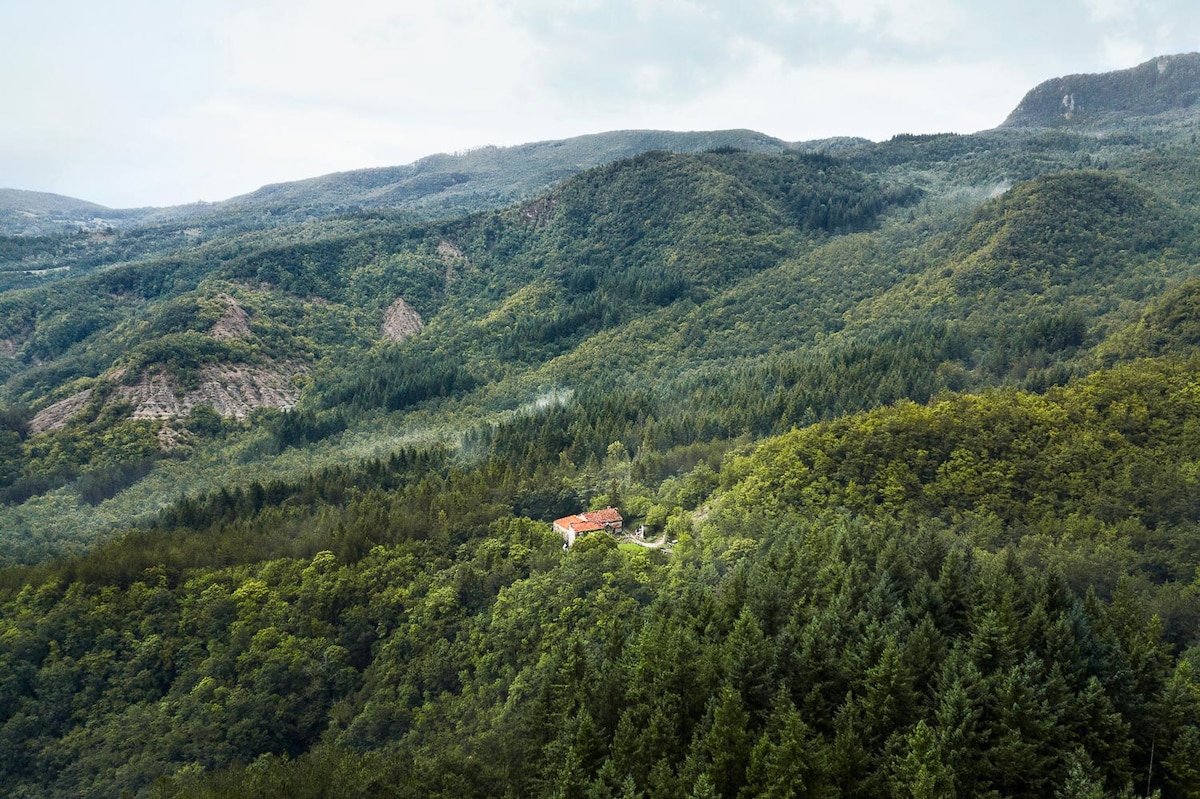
[
  {"x": 1159, "y": 86},
  {"x": 850, "y": 618},
  {"x": 911, "y": 429},
  {"x": 40, "y": 214},
  {"x": 433, "y": 187}
]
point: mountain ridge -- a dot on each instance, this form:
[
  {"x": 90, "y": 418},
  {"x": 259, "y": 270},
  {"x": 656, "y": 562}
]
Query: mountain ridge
[
  {"x": 913, "y": 427},
  {"x": 448, "y": 184},
  {"x": 758, "y": 256},
  {"x": 46, "y": 213},
  {"x": 441, "y": 184},
  {"x": 1164, "y": 84}
]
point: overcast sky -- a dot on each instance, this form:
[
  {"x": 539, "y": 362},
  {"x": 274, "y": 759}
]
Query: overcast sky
[{"x": 144, "y": 102}]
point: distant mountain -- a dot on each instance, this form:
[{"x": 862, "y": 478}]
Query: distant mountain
[
  {"x": 1159, "y": 86},
  {"x": 437, "y": 186},
  {"x": 40, "y": 213},
  {"x": 372, "y": 292},
  {"x": 909, "y": 428},
  {"x": 445, "y": 185},
  {"x": 490, "y": 170}
]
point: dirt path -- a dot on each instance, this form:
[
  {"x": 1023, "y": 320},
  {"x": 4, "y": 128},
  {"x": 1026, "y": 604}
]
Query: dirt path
[{"x": 657, "y": 543}]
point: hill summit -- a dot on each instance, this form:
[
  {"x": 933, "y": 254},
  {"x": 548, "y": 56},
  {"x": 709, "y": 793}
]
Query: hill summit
[{"x": 1158, "y": 86}]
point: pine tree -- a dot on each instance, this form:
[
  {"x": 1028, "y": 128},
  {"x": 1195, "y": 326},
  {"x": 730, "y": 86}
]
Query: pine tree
[
  {"x": 888, "y": 700},
  {"x": 748, "y": 661},
  {"x": 1182, "y": 764},
  {"x": 720, "y": 749},
  {"x": 785, "y": 762},
  {"x": 1082, "y": 782},
  {"x": 923, "y": 772}
]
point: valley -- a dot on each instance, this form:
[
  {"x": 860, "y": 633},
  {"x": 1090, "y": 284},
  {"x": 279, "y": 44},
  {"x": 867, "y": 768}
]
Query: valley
[{"x": 918, "y": 418}]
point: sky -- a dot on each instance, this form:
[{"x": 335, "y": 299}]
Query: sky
[{"x": 132, "y": 103}]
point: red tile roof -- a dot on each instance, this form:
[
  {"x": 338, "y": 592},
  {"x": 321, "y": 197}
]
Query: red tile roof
[
  {"x": 589, "y": 521},
  {"x": 606, "y": 516},
  {"x": 566, "y": 521}
]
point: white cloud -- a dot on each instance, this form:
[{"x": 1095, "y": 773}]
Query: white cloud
[
  {"x": 1110, "y": 10},
  {"x": 376, "y": 55},
  {"x": 319, "y": 91},
  {"x": 913, "y": 23},
  {"x": 135, "y": 102},
  {"x": 310, "y": 88},
  {"x": 872, "y": 99},
  {"x": 1120, "y": 52},
  {"x": 607, "y": 54}
]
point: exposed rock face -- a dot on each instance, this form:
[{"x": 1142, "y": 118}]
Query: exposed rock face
[
  {"x": 453, "y": 259},
  {"x": 8, "y": 347},
  {"x": 400, "y": 321},
  {"x": 235, "y": 323},
  {"x": 237, "y": 390},
  {"x": 232, "y": 391},
  {"x": 152, "y": 397},
  {"x": 1167, "y": 83},
  {"x": 538, "y": 212},
  {"x": 55, "y": 416}
]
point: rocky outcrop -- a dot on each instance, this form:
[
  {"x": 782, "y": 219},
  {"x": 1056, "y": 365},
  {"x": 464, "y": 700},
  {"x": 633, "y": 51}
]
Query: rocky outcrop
[
  {"x": 235, "y": 323},
  {"x": 233, "y": 391},
  {"x": 400, "y": 321},
  {"x": 152, "y": 397},
  {"x": 453, "y": 259},
  {"x": 1167, "y": 83},
  {"x": 538, "y": 213},
  {"x": 52, "y": 417}
]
